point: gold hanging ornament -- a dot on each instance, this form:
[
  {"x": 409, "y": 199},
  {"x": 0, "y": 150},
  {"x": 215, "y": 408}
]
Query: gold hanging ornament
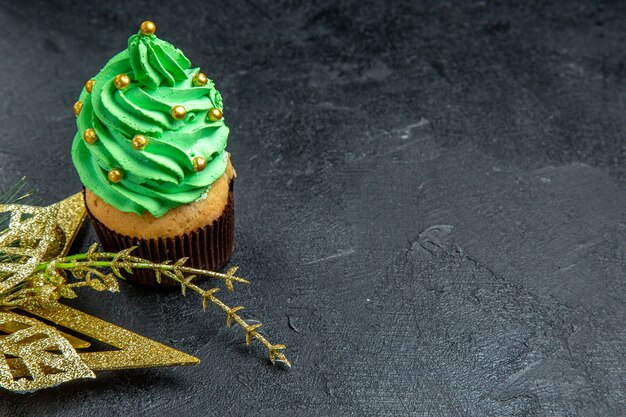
[
  {"x": 35, "y": 272},
  {"x": 34, "y": 355}
]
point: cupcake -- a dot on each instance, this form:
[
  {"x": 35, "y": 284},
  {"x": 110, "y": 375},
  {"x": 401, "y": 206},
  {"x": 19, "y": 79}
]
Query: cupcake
[{"x": 150, "y": 152}]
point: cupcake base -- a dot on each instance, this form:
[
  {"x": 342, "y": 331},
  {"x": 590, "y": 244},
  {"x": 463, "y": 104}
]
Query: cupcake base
[{"x": 209, "y": 247}]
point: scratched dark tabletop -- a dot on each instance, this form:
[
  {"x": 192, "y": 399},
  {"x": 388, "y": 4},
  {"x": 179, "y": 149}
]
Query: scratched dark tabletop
[{"x": 430, "y": 201}]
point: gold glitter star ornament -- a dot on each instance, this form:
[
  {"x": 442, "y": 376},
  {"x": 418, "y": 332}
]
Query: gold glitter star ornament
[
  {"x": 34, "y": 355},
  {"x": 36, "y": 272}
]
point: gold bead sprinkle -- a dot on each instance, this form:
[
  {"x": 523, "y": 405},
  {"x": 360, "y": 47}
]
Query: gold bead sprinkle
[
  {"x": 200, "y": 79},
  {"x": 115, "y": 175},
  {"x": 215, "y": 114},
  {"x": 90, "y": 136},
  {"x": 147, "y": 28},
  {"x": 121, "y": 81},
  {"x": 78, "y": 106},
  {"x": 178, "y": 112},
  {"x": 139, "y": 142},
  {"x": 199, "y": 163},
  {"x": 89, "y": 85}
]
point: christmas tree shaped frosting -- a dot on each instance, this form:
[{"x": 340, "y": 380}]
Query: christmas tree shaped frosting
[{"x": 151, "y": 135}]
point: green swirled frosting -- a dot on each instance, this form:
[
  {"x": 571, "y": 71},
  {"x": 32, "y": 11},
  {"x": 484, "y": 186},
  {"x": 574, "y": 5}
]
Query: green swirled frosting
[{"x": 160, "y": 176}]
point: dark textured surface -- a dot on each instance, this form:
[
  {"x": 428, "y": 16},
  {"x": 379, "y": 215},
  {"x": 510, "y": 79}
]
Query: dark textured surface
[{"x": 430, "y": 202}]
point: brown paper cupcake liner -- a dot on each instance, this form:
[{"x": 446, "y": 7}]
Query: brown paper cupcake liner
[{"x": 208, "y": 248}]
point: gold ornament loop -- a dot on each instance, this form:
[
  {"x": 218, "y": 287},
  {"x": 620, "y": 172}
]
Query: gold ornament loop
[
  {"x": 199, "y": 163},
  {"x": 139, "y": 142},
  {"x": 78, "y": 106},
  {"x": 178, "y": 112},
  {"x": 90, "y": 136},
  {"x": 147, "y": 28},
  {"x": 121, "y": 81},
  {"x": 89, "y": 85},
  {"x": 215, "y": 114},
  {"x": 115, "y": 175},
  {"x": 200, "y": 79}
]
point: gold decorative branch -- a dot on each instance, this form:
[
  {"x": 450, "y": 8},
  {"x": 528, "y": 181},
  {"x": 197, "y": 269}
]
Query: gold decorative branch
[
  {"x": 275, "y": 354},
  {"x": 86, "y": 269},
  {"x": 85, "y": 265}
]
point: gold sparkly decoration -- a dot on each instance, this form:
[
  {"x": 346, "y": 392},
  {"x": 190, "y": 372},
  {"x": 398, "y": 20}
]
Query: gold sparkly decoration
[
  {"x": 34, "y": 355},
  {"x": 215, "y": 114},
  {"x": 89, "y": 85},
  {"x": 200, "y": 79},
  {"x": 130, "y": 349},
  {"x": 121, "y": 81},
  {"x": 12, "y": 327},
  {"x": 178, "y": 112},
  {"x": 115, "y": 175},
  {"x": 38, "y": 348},
  {"x": 35, "y": 272},
  {"x": 78, "y": 106},
  {"x": 147, "y": 28},
  {"x": 199, "y": 163},
  {"x": 139, "y": 142},
  {"x": 90, "y": 136},
  {"x": 34, "y": 228}
]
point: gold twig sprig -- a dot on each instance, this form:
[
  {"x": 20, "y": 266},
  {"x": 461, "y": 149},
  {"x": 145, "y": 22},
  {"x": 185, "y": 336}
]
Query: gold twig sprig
[
  {"x": 86, "y": 265},
  {"x": 275, "y": 354},
  {"x": 86, "y": 268}
]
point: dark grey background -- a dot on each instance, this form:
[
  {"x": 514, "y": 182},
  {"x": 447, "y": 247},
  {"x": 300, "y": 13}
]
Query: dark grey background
[{"x": 431, "y": 194}]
